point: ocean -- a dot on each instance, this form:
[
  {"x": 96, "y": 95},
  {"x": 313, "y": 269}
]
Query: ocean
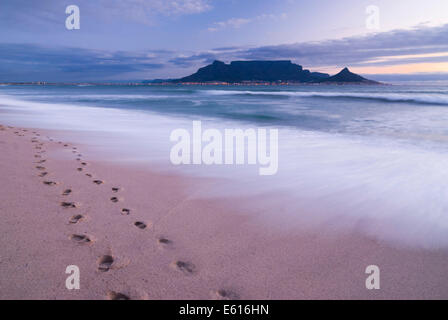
[{"x": 370, "y": 158}]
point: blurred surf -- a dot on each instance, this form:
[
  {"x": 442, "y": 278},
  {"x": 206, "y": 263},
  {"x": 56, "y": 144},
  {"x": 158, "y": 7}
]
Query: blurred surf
[{"x": 374, "y": 159}]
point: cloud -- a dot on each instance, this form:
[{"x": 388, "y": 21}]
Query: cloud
[
  {"x": 25, "y": 13},
  {"x": 144, "y": 10},
  {"x": 424, "y": 45},
  {"x": 420, "y": 44},
  {"x": 28, "y": 62},
  {"x": 359, "y": 50},
  {"x": 233, "y": 23},
  {"x": 236, "y": 23},
  {"x": 186, "y": 61},
  {"x": 183, "y": 6}
]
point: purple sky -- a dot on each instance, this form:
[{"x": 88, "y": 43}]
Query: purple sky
[{"x": 146, "y": 39}]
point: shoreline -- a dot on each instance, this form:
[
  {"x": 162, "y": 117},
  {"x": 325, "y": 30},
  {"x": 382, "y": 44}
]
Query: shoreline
[
  {"x": 191, "y": 248},
  {"x": 224, "y": 84}
]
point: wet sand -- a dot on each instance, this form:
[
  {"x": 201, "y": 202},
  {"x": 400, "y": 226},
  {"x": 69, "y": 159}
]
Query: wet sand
[{"x": 142, "y": 234}]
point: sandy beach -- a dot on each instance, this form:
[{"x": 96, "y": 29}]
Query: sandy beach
[{"x": 141, "y": 234}]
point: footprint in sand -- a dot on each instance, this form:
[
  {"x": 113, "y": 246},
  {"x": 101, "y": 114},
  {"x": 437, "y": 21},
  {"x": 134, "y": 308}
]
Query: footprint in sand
[
  {"x": 80, "y": 238},
  {"x": 98, "y": 182},
  {"x": 112, "y": 295},
  {"x": 84, "y": 163},
  {"x": 164, "y": 241},
  {"x": 50, "y": 183},
  {"x": 79, "y": 169},
  {"x": 76, "y": 218},
  {"x": 114, "y": 199},
  {"x": 140, "y": 225},
  {"x": 115, "y": 189},
  {"x": 105, "y": 263},
  {"x": 37, "y": 156},
  {"x": 66, "y": 192},
  {"x": 225, "y": 295},
  {"x": 40, "y": 168},
  {"x": 125, "y": 211},
  {"x": 89, "y": 175},
  {"x": 43, "y": 174},
  {"x": 185, "y": 267},
  {"x": 68, "y": 204},
  {"x": 41, "y": 161}
]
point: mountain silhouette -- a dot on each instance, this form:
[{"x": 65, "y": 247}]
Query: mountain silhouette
[
  {"x": 346, "y": 76},
  {"x": 269, "y": 71},
  {"x": 240, "y": 71}
]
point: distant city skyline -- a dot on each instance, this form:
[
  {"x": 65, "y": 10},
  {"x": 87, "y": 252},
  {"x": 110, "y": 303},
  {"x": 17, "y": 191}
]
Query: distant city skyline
[{"x": 136, "y": 39}]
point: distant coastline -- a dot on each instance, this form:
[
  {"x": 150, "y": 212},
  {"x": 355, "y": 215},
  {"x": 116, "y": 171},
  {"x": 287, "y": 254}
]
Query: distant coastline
[
  {"x": 209, "y": 83},
  {"x": 237, "y": 73}
]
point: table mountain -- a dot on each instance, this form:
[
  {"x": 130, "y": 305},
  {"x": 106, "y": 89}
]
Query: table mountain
[{"x": 240, "y": 71}]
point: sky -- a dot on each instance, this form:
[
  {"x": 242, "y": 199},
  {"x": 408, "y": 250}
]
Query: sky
[{"x": 148, "y": 39}]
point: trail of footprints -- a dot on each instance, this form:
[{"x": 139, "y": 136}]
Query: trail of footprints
[{"x": 105, "y": 263}]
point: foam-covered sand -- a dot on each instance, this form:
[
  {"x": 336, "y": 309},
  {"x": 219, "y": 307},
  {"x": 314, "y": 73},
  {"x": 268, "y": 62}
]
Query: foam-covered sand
[{"x": 61, "y": 207}]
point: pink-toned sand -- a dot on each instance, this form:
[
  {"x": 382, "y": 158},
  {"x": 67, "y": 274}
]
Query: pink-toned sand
[{"x": 211, "y": 248}]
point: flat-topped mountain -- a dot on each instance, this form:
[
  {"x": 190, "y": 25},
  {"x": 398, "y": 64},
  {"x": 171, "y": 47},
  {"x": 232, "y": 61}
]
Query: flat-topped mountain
[
  {"x": 240, "y": 71},
  {"x": 268, "y": 71},
  {"x": 345, "y": 76}
]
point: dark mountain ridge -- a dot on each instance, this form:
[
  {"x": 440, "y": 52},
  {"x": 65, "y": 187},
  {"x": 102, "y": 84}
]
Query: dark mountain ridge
[
  {"x": 267, "y": 71},
  {"x": 239, "y": 71},
  {"x": 345, "y": 76}
]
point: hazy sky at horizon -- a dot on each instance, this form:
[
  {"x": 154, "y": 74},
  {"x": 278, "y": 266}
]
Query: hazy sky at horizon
[{"x": 132, "y": 39}]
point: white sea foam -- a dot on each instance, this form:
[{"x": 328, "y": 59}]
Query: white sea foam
[
  {"x": 430, "y": 98},
  {"x": 105, "y": 97},
  {"x": 390, "y": 189}
]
